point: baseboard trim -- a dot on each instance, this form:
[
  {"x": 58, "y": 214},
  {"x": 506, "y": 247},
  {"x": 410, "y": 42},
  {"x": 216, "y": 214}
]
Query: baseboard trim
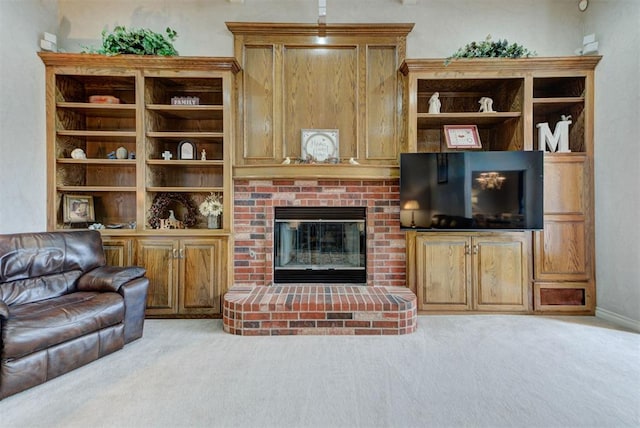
[{"x": 618, "y": 319}]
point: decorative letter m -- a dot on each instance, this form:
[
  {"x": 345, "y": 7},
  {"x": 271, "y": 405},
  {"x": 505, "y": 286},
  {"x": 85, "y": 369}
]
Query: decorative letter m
[{"x": 556, "y": 142}]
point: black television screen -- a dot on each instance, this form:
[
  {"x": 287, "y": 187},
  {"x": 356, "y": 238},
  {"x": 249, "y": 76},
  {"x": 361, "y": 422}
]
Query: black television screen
[{"x": 472, "y": 190}]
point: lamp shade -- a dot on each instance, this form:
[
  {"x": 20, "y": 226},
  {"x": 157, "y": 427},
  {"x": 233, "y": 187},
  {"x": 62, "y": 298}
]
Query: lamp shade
[{"x": 411, "y": 204}]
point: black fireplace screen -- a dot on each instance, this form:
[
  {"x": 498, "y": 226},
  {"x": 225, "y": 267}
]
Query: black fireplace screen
[{"x": 320, "y": 245}]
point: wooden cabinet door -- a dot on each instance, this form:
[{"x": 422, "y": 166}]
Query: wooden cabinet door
[
  {"x": 563, "y": 248},
  {"x": 201, "y": 276},
  {"x": 117, "y": 252},
  {"x": 443, "y": 280},
  {"x": 159, "y": 257},
  {"x": 500, "y": 273}
]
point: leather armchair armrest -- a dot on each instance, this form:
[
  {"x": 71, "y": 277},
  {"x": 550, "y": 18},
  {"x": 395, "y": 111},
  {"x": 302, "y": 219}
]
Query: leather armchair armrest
[
  {"x": 4, "y": 310},
  {"x": 135, "y": 302},
  {"x": 109, "y": 278}
]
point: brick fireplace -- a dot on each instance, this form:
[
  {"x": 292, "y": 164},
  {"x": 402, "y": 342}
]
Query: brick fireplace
[
  {"x": 255, "y": 305},
  {"x": 255, "y": 201}
]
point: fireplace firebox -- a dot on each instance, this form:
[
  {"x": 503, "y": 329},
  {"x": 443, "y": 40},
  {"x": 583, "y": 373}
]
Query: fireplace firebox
[{"x": 320, "y": 245}]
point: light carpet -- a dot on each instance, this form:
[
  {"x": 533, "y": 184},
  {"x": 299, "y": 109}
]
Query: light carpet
[{"x": 455, "y": 371}]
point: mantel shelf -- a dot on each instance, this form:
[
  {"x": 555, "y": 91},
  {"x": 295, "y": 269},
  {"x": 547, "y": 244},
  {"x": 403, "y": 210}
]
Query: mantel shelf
[{"x": 316, "y": 171}]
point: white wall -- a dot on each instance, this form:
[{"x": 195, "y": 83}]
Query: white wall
[
  {"x": 550, "y": 27},
  {"x": 617, "y": 158},
  {"x": 22, "y": 117}
]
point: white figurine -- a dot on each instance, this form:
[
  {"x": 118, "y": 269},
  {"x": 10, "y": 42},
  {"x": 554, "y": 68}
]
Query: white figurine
[
  {"x": 286, "y": 161},
  {"x": 352, "y": 161},
  {"x": 203, "y": 155},
  {"x": 78, "y": 154},
  {"x": 121, "y": 153},
  {"x": 434, "y": 103},
  {"x": 486, "y": 105}
]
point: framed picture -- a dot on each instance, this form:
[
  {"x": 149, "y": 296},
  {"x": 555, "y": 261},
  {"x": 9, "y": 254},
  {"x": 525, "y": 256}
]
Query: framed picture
[
  {"x": 443, "y": 167},
  {"x": 78, "y": 209},
  {"x": 462, "y": 137},
  {"x": 186, "y": 150},
  {"x": 320, "y": 145}
]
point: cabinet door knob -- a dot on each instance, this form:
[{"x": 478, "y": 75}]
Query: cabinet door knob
[
  {"x": 175, "y": 253},
  {"x": 181, "y": 253},
  {"x": 467, "y": 249},
  {"x": 475, "y": 249}
]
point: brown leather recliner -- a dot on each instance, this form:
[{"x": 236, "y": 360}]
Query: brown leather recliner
[{"x": 61, "y": 307}]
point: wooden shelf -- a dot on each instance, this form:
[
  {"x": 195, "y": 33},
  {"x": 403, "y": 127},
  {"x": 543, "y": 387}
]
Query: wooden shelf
[
  {"x": 85, "y": 189},
  {"x": 182, "y": 134},
  {"x": 100, "y": 110},
  {"x": 110, "y": 162},
  {"x": 88, "y": 133},
  {"x": 184, "y": 189},
  {"x": 187, "y": 112},
  {"x": 556, "y": 104},
  {"x": 341, "y": 171},
  {"x": 187, "y": 163},
  {"x": 426, "y": 120}
]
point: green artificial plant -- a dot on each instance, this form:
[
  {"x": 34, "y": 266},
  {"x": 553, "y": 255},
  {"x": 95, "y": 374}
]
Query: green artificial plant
[
  {"x": 490, "y": 49},
  {"x": 137, "y": 42}
]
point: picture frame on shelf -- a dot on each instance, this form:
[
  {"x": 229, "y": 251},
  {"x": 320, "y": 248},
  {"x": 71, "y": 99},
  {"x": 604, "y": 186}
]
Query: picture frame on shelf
[
  {"x": 78, "y": 209},
  {"x": 462, "y": 137},
  {"x": 186, "y": 150}
]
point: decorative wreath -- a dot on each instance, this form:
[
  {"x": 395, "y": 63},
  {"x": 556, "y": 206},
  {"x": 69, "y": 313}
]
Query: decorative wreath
[{"x": 160, "y": 208}]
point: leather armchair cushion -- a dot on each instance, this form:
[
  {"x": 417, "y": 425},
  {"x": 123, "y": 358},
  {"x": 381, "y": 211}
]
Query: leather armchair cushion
[
  {"x": 29, "y": 290},
  {"x": 109, "y": 278},
  {"x": 30, "y": 255},
  {"x": 35, "y": 326}
]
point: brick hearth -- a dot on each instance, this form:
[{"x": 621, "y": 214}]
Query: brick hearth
[
  {"x": 255, "y": 306},
  {"x": 319, "y": 309}
]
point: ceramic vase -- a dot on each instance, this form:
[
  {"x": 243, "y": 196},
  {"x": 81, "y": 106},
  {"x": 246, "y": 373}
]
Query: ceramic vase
[{"x": 213, "y": 222}]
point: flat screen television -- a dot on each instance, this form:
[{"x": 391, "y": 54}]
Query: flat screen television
[{"x": 472, "y": 190}]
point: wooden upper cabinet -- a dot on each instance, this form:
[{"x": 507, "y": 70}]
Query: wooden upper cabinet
[
  {"x": 308, "y": 76},
  {"x": 525, "y": 92}
]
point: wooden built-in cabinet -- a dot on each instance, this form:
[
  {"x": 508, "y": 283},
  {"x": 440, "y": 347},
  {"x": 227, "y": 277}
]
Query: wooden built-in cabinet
[
  {"x": 309, "y": 76},
  {"x": 525, "y": 92},
  {"x": 147, "y": 125},
  {"x": 185, "y": 275},
  {"x": 472, "y": 271},
  {"x": 251, "y": 111}
]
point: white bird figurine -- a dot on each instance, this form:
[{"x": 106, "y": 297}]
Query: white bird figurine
[
  {"x": 352, "y": 161},
  {"x": 286, "y": 161}
]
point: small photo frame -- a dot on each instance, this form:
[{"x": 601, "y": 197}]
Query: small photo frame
[
  {"x": 462, "y": 137},
  {"x": 78, "y": 209},
  {"x": 186, "y": 150}
]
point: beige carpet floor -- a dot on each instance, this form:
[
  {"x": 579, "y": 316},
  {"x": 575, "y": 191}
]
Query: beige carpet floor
[{"x": 455, "y": 371}]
